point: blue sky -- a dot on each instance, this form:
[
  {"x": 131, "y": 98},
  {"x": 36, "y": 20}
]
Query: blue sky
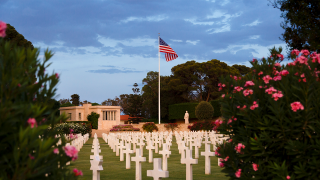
[{"x": 102, "y": 47}]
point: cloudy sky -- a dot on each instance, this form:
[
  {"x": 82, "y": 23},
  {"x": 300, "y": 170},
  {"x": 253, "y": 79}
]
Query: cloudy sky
[{"x": 102, "y": 47}]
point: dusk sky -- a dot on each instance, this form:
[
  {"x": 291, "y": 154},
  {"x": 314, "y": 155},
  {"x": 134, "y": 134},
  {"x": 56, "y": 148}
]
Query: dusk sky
[{"x": 102, "y": 47}]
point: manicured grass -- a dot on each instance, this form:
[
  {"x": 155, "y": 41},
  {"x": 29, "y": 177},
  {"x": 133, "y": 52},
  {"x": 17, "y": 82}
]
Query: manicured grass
[{"x": 114, "y": 169}]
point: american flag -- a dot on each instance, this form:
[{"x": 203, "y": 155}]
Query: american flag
[{"x": 170, "y": 53}]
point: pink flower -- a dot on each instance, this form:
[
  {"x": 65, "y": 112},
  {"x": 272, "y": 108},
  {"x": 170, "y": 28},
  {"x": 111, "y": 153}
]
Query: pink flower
[
  {"x": 277, "y": 78},
  {"x": 305, "y": 52},
  {"x": 238, "y": 107},
  {"x": 260, "y": 87},
  {"x": 255, "y": 167},
  {"x": 3, "y": 27},
  {"x": 254, "y": 60},
  {"x": 266, "y": 79},
  {"x": 302, "y": 75},
  {"x": 71, "y": 151},
  {"x": 249, "y": 83},
  {"x": 284, "y": 73},
  {"x": 296, "y": 106},
  {"x": 56, "y": 151},
  {"x": 235, "y": 119},
  {"x": 19, "y": 85},
  {"x": 270, "y": 90},
  {"x": 247, "y": 92},
  {"x": 223, "y": 95},
  {"x": 57, "y": 75},
  {"x": 221, "y": 165},
  {"x": 260, "y": 73},
  {"x": 295, "y": 51},
  {"x": 230, "y": 140},
  {"x": 238, "y": 173},
  {"x": 280, "y": 56},
  {"x": 304, "y": 80},
  {"x": 226, "y": 159},
  {"x": 244, "y": 106},
  {"x": 77, "y": 172},
  {"x": 239, "y": 147},
  {"x": 31, "y": 157},
  {"x": 223, "y": 85},
  {"x": 32, "y": 122},
  {"x": 219, "y": 84},
  {"x": 229, "y": 121},
  {"x": 277, "y": 64},
  {"x": 288, "y": 177},
  {"x": 276, "y": 96},
  {"x": 238, "y": 88},
  {"x": 297, "y": 74}
]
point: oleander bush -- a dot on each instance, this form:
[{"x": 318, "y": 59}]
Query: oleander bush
[
  {"x": 272, "y": 117},
  {"x": 149, "y": 127},
  {"x": 171, "y": 126},
  {"x": 28, "y": 150},
  {"x": 202, "y": 125},
  {"x": 204, "y": 111},
  {"x": 77, "y": 128}
]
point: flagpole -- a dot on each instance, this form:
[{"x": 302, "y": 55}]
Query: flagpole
[{"x": 159, "y": 76}]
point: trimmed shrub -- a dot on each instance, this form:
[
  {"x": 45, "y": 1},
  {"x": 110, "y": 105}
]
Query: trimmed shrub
[
  {"x": 206, "y": 125},
  {"x": 276, "y": 134},
  {"x": 64, "y": 128},
  {"x": 27, "y": 146},
  {"x": 124, "y": 128},
  {"x": 93, "y": 118},
  {"x": 171, "y": 126},
  {"x": 204, "y": 111},
  {"x": 149, "y": 127}
]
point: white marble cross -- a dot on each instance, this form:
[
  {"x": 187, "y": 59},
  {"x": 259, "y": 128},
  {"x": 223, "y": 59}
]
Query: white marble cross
[
  {"x": 121, "y": 147},
  {"x": 189, "y": 161},
  {"x": 128, "y": 151},
  {"x": 138, "y": 159},
  {"x": 150, "y": 147},
  {"x": 165, "y": 154},
  {"x": 157, "y": 173},
  {"x": 141, "y": 144},
  {"x": 96, "y": 167},
  {"x": 207, "y": 153},
  {"x": 156, "y": 142}
]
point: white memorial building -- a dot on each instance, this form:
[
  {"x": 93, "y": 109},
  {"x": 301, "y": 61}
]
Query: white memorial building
[{"x": 109, "y": 115}]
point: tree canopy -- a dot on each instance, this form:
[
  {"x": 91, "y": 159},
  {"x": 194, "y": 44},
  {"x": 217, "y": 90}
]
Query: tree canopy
[
  {"x": 14, "y": 36},
  {"x": 301, "y": 23}
]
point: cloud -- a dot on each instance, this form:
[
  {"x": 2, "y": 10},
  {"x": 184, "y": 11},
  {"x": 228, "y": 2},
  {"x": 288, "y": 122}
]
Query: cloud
[
  {"x": 254, "y": 23},
  {"x": 254, "y": 37},
  {"x": 148, "y": 18},
  {"x": 193, "y": 42},
  {"x": 195, "y": 22},
  {"x": 257, "y": 50},
  {"x": 216, "y": 14},
  {"x": 176, "y": 40},
  {"x": 112, "y": 71}
]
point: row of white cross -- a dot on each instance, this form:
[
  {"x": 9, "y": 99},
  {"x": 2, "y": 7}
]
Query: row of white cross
[
  {"x": 96, "y": 159},
  {"x": 77, "y": 142},
  {"x": 120, "y": 143}
]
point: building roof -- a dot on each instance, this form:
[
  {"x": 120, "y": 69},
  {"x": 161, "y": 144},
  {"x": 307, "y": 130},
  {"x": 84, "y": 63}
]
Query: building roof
[{"x": 125, "y": 117}]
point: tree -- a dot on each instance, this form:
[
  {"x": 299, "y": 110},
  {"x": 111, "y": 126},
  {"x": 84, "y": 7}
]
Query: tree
[
  {"x": 111, "y": 102},
  {"x": 135, "y": 102},
  {"x": 197, "y": 79},
  {"x": 75, "y": 98},
  {"x": 64, "y": 101},
  {"x": 13, "y": 36},
  {"x": 301, "y": 23},
  {"x": 243, "y": 70}
]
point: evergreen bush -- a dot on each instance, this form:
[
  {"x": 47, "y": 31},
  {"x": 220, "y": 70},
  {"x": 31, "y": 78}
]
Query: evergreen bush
[
  {"x": 28, "y": 150},
  {"x": 93, "y": 118},
  {"x": 149, "y": 127},
  {"x": 171, "y": 126},
  {"x": 204, "y": 111},
  {"x": 272, "y": 118},
  {"x": 67, "y": 104}
]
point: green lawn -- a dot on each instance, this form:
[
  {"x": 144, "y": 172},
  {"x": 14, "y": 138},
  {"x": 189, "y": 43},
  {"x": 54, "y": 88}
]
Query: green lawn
[{"x": 114, "y": 169}]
